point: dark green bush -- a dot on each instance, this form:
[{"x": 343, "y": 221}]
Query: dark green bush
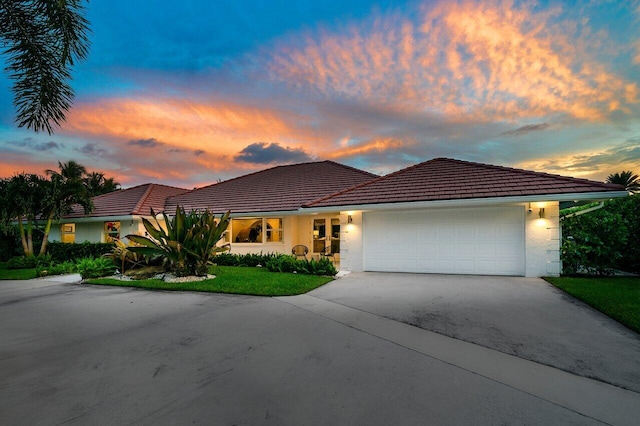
[
  {"x": 629, "y": 209},
  {"x": 288, "y": 263},
  {"x": 9, "y": 244},
  {"x": 250, "y": 259},
  {"x": 593, "y": 243},
  {"x": 22, "y": 262},
  {"x": 43, "y": 270},
  {"x": 283, "y": 263},
  {"x": 95, "y": 268},
  {"x": 61, "y": 252}
]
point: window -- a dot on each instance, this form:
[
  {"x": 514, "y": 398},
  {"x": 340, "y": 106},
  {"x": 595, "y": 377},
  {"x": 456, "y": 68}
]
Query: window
[
  {"x": 274, "y": 230},
  {"x": 68, "y": 232},
  {"x": 252, "y": 230},
  {"x": 111, "y": 231}
]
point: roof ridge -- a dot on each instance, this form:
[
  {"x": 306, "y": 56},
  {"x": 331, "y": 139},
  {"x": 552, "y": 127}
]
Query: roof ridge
[
  {"x": 142, "y": 199},
  {"x": 346, "y": 166},
  {"x": 360, "y": 185},
  {"x": 530, "y": 172}
]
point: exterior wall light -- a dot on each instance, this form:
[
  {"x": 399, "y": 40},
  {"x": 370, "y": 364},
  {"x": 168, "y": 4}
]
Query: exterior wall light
[
  {"x": 541, "y": 212},
  {"x": 349, "y": 219}
]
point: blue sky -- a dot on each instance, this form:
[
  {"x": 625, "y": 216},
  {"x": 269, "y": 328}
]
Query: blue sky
[{"x": 201, "y": 91}]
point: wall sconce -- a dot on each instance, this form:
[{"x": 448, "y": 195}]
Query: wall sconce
[
  {"x": 541, "y": 212},
  {"x": 349, "y": 219}
]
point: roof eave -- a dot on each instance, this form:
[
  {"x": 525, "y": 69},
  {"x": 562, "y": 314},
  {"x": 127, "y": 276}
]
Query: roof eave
[{"x": 595, "y": 196}]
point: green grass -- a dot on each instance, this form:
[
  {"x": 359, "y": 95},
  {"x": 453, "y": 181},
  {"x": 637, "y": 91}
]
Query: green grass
[
  {"x": 233, "y": 280},
  {"x": 16, "y": 274},
  {"x": 617, "y": 297}
]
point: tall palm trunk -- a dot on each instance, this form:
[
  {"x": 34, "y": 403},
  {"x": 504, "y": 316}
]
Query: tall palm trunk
[
  {"x": 45, "y": 238},
  {"x": 23, "y": 238}
]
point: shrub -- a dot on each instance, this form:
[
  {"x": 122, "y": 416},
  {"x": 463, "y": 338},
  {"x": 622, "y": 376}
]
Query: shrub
[
  {"x": 95, "y": 268},
  {"x": 628, "y": 208},
  {"x": 283, "y": 263},
  {"x": 592, "y": 243},
  {"x": 61, "y": 252},
  {"x": 43, "y": 269},
  {"x": 288, "y": 263},
  {"x": 188, "y": 244},
  {"x": 22, "y": 262},
  {"x": 125, "y": 259}
]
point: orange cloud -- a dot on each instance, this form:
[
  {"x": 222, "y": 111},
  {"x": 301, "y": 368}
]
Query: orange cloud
[
  {"x": 219, "y": 129},
  {"x": 368, "y": 147},
  {"x": 493, "y": 60}
]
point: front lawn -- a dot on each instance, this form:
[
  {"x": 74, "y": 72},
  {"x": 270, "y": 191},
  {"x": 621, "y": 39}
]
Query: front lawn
[
  {"x": 16, "y": 274},
  {"x": 235, "y": 280},
  {"x": 617, "y": 297}
]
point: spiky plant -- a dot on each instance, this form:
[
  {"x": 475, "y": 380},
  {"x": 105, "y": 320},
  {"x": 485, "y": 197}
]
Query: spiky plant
[{"x": 189, "y": 242}]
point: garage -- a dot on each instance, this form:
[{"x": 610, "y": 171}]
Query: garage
[{"x": 482, "y": 241}]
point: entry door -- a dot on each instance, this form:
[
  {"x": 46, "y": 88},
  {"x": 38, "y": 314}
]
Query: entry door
[{"x": 326, "y": 231}]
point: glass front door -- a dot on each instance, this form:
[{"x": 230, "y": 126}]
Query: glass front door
[{"x": 326, "y": 232}]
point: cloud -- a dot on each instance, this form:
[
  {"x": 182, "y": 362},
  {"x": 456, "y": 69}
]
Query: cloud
[
  {"x": 526, "y": 129},
  {"x": 38, "y": 146},
  {"x": 198, "y": 152},
  {"x": 493, "y": 60},
  {"x": 145, "y": 143},
  {"x": 92, "y": 150},
  {"x": 596, "y": 164},
  {"x": 263, "y": 153}
]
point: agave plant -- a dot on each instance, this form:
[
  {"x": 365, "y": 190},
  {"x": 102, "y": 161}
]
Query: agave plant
[
  {"x": 189, "y": 242},
  {"x": 123, "y": 256}
]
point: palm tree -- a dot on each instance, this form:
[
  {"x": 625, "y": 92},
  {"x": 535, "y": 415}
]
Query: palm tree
[
  {"x": 25, "y": 193},
  {"x": 42, "y": 39},
  {"x": 97, "y": 184},
  {"x": 64, "y": 189},
  {"x": 626, "y": 179}
]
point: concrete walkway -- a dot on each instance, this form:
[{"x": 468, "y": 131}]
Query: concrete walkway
[{"x": 81, "y": 354}]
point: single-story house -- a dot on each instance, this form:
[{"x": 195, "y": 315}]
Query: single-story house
[
  {"x": 114, "y": 215},
  {"x": 440, "y": 216}
]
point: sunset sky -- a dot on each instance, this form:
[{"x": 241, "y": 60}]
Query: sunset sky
[{"x": 188, "y": 93}]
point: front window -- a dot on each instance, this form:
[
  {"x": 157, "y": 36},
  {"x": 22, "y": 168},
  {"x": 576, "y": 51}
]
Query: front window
[
  {"x": 68, "y": 232},
  {"x": 256, "y": 230},
  {"x": 111, "y": 231}
]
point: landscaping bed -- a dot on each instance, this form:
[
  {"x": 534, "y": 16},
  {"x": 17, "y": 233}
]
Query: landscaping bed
[
  {"x": 232, "y": 280},
  {"x": 616, "y": 297}
]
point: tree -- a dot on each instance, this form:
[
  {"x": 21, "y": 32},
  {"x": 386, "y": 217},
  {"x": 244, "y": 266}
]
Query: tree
[
  {"x": 42, "y": 40},
  {"x": 24, "y": 193},
  {"x": 627, "y": 179},
  {"x": 97, "y": 184},
  {"x": 61, "y": 192}
]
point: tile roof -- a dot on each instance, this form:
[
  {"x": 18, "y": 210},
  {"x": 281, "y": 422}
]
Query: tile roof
[
  {"x": 449, "y": 179},
  {"x": 133, "y": 201},
  {"x": 281, "y": 188}
]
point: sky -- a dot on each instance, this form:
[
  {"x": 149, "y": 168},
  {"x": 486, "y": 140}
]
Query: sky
[{"x": 190, "y": 93}]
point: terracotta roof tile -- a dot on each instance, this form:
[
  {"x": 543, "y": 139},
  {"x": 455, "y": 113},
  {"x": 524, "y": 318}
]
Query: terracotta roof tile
[
  {"x": 138, "y": 200},
  {"x": 449, "y": 179},
  {"x": 281, "y": 188}
]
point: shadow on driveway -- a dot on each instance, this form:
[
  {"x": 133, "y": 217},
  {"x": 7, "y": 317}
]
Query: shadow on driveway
[{"x": 525, "y": 317}]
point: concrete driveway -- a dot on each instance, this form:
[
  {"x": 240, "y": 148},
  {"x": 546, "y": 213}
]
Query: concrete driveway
[
  {"x": 525, "y": 317},
  {"x": 78, "y": 354}
]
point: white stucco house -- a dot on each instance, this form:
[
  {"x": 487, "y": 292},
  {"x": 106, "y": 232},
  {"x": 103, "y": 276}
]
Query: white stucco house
[{"x": 440, "y": 216}]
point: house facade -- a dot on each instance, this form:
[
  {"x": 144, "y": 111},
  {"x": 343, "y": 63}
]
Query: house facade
[
  {"x": 442, "y": 216},
  {"x": 114, "y": 215}
]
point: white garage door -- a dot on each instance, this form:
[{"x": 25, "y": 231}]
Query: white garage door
[{"x": 482, "y": 241}]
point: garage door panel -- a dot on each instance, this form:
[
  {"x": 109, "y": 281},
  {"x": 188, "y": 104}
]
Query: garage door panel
[{"x": 486, "y": 241}]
